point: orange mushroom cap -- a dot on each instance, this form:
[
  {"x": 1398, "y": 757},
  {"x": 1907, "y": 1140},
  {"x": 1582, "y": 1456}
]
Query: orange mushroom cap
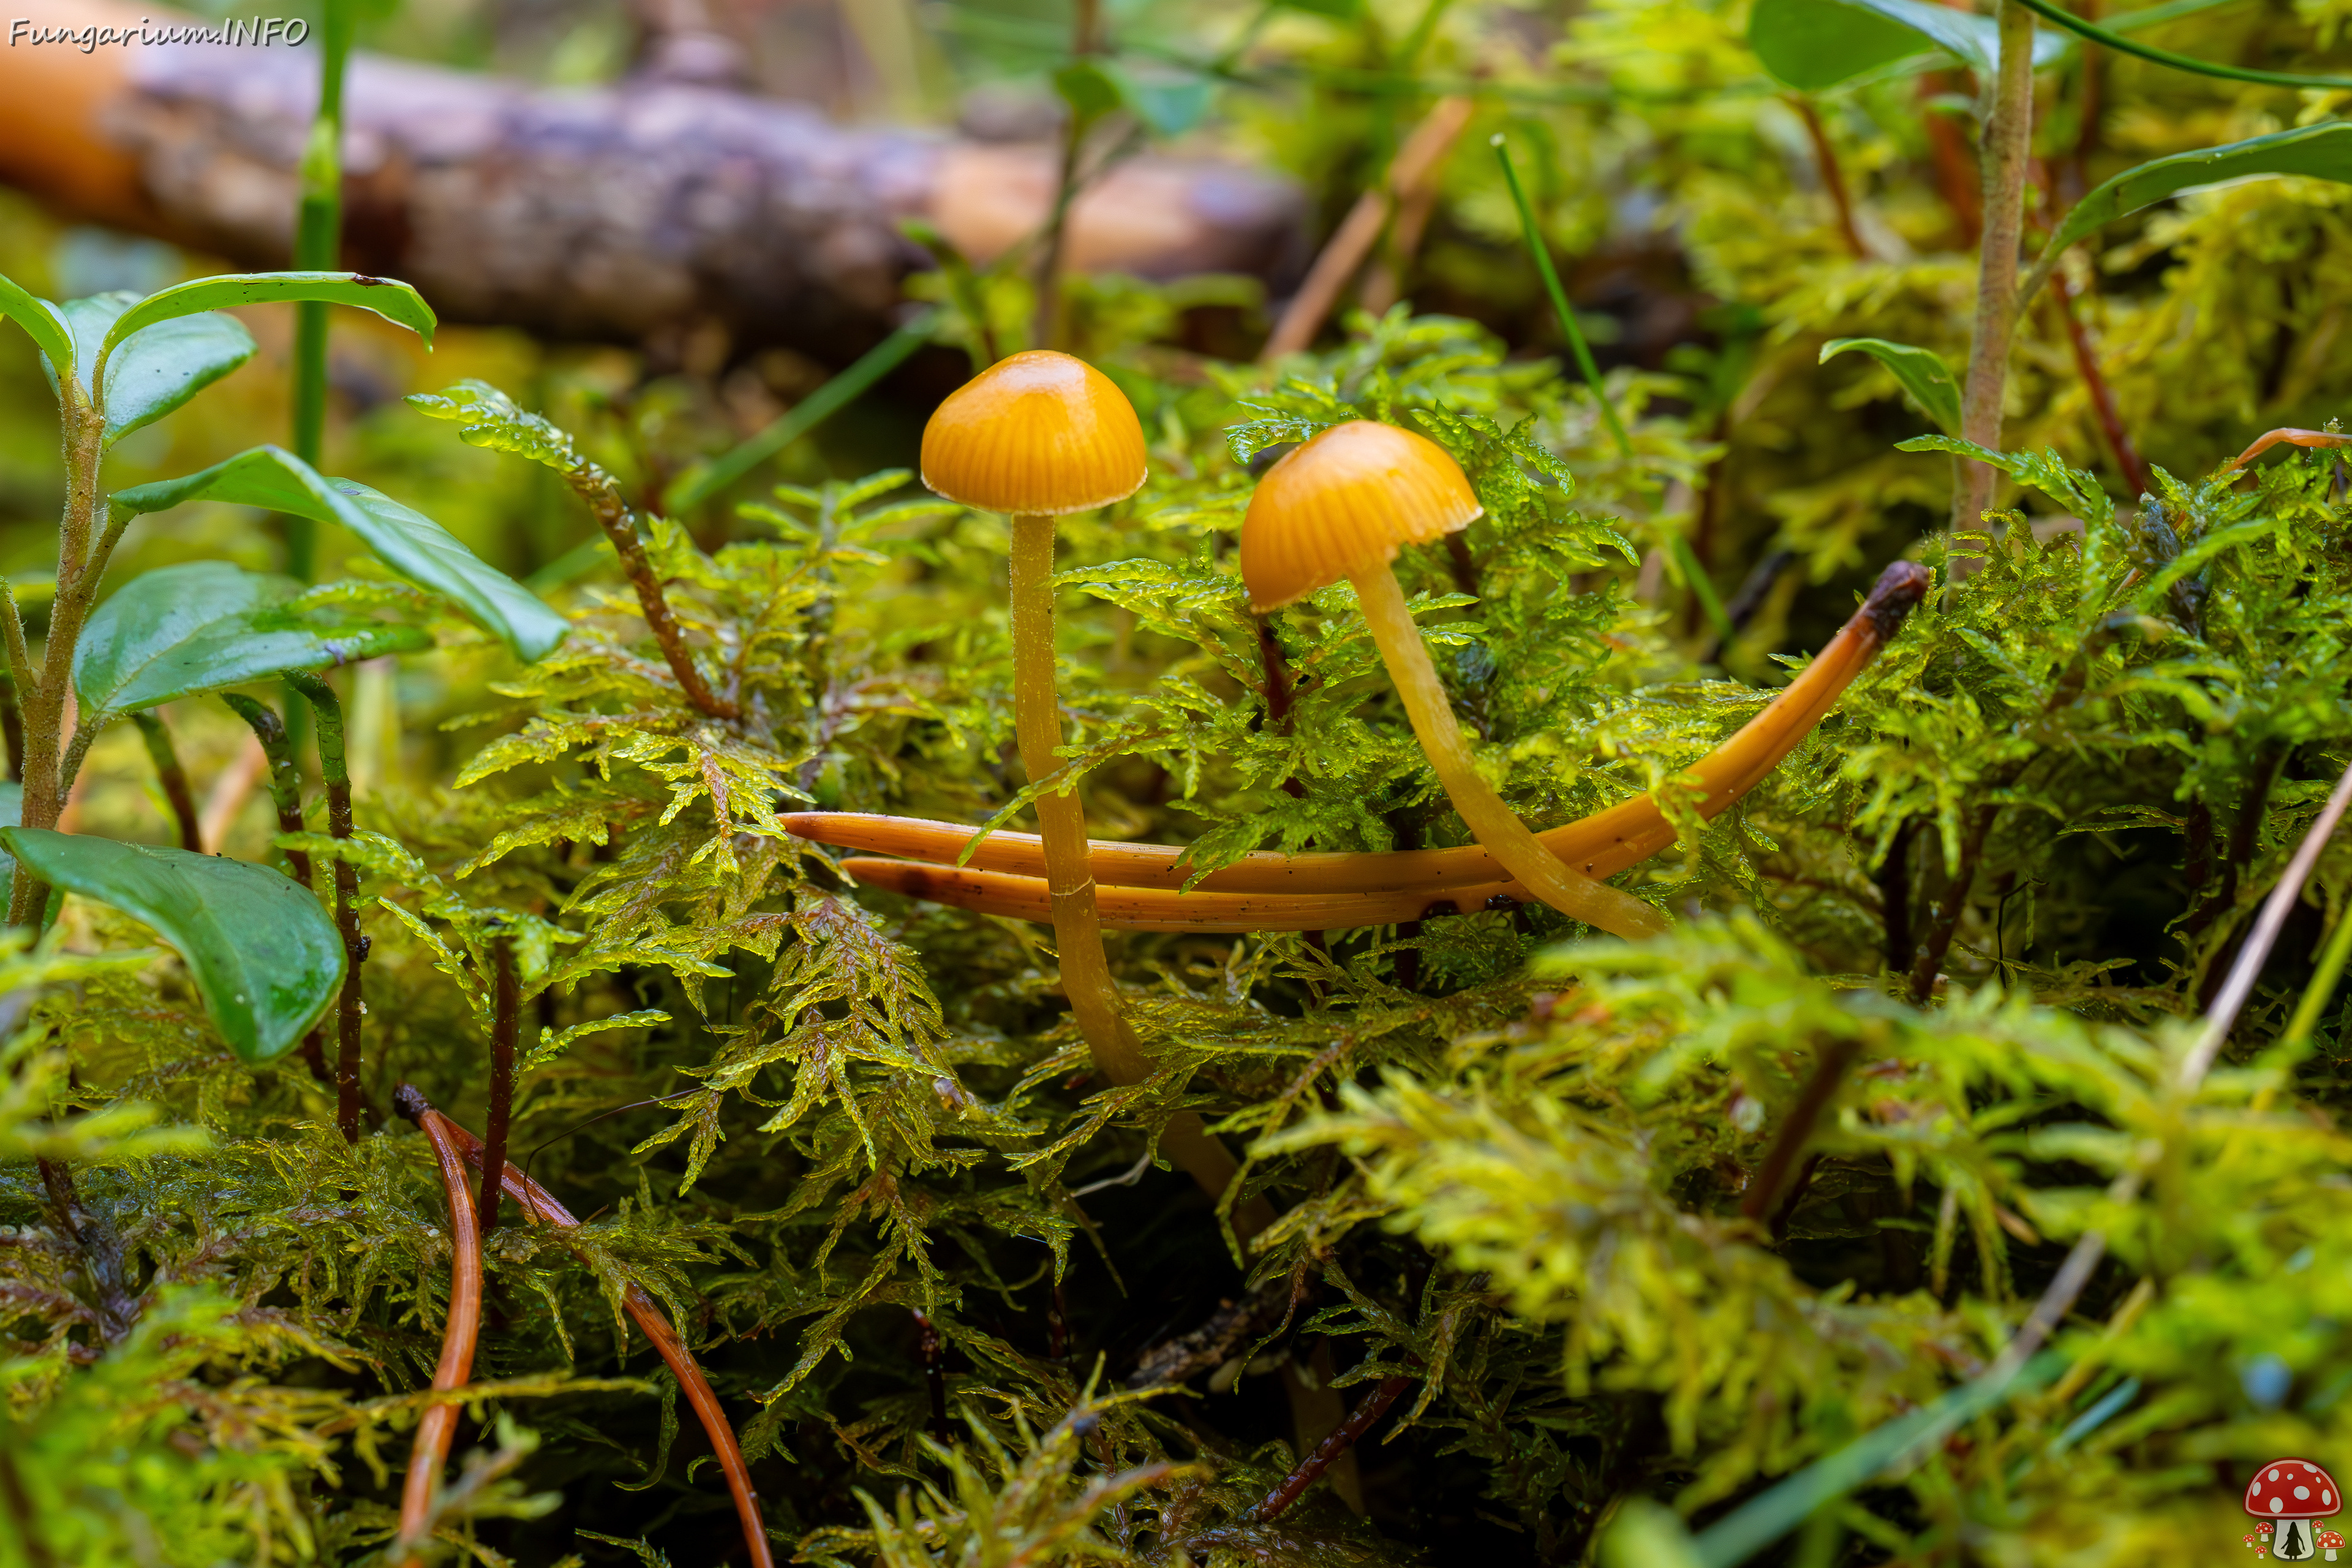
[
  {"x": 1039, "y": 433},
  {"x": 1351, "y": 497}
]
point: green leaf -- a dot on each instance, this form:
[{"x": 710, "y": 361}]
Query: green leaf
[
  {"x": 488, "y": 419},
  {"x": 1170, "y": 105},
  {"x": 1922, "y": 373},
  {"x": 155, "y": 371},
  {"x": 1090, "y": 89},
  {"x": 408, "y": 542},
  {"x": 43, "y": 321},
  {"x": 182, "y": 631},
  {"x": 1812, "y": 45},
  {"x": 396, "y": 303},
  {"x": 160, "y": 369},
  {"x": 1647, "y": 1534},
  {"x": 2322, "y": 152},
  {"x": 263, "y": 954}
]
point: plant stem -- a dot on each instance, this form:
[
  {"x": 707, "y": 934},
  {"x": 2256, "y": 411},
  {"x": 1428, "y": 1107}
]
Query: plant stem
[
  {"x": 505, "y": 1012},
  {"x": 620, "y": 526},
  {"x": 2008, "y": 138},
  {"x": 318, "y": 246},
  {"x": 1829, "y": 1067},
  {"x": 1490, "y": 820},
  {"x": 1061, "y": 820},
  {"x": 285, "y": 776},
  {"x": 1541, "y": 253},
  {"x": 173, "y": 777},
  {"x": 541, "y": 1208},
  {"x": 2128, "y": 461},
  {"x": 329, "y": 714},
  {"x": 1833, "y": 176},
  {"x": 1368, "y": 1409},
  {"x": 462, "y": 1328},
  {"x": 112, "y": 1300}
]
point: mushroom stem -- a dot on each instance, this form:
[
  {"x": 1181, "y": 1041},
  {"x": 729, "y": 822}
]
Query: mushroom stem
[
  {"x": 1491, "y": 821},
  {"x": 1061, "y": 820},
  {"x": 1069, "y": 876}
]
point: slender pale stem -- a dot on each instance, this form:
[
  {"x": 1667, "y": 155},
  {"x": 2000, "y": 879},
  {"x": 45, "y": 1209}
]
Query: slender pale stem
[
  {"x": 1069, "y": 876},
  {"x": 1491, "y": 821},
  {"x": 2008, "y": 138},
  {"x": 1061, "y": 820}
]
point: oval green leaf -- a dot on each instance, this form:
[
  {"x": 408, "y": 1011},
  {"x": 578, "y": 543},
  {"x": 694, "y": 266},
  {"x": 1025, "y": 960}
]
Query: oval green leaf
[
  {"x": 1922, "y": 374},
  {"x": 264, "y": 955},
  {"x": 2321, "y": 151},
  {"x": 180, "y": 630},
  {"x": 42, "y": 322},
  {"x": 154, "y": 370},
  {"x": 395, "y": 301},
  {"x": 1814, "y": 45},
  {"x": 408, "y": 542}
]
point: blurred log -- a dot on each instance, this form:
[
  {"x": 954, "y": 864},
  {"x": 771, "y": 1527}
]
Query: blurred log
[{"x": 615, "y": 213}]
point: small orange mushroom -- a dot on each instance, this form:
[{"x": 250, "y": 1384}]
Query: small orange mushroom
[
  {"x": 1341, "y": 506},
  {"x": 1034, "y": 436}
]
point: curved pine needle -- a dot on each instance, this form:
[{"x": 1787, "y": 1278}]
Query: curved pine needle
[
  {"x": 2291, "y": 436},
  {"x": 1266, "y": 892},
  {"x": 439, "y": 1424},
  {"x": 542, "y": 1209}
]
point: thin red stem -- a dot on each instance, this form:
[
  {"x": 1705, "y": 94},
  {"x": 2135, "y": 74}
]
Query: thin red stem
[
  {"x": 542, "y": 1209},
  {"x": 1326, "y": 1453},
  {"x": 457, "y": 1337}
]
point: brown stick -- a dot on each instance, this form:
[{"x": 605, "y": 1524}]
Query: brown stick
[
  {"x": 602, "y": 495},
  {"x": 1832, "y": 175},
  {"x": 100, "y": 1249},
  {"x": 2008, "y": 137},
  {"x": 174, "y": 778},
  {"x": 439, "y": 1424},
  {"x": 1416, "y": 162},
  {"x": 1370, "y": 1408},
  {"x": 2103, "y": 398},
  {"x": 541, "y": 1208},
  {"x": 1958, "y": 182},
  {"x": 505, "y": 1012},
  {"x": 1788, "y": 1144}
]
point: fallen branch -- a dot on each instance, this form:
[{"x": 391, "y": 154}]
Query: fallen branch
[
  {"x": 1137, "y": 885},
  {"x": 542, "y": 1209},
  {"x": 631, "y": 211},
  {"x": 439, "y": 1424}
]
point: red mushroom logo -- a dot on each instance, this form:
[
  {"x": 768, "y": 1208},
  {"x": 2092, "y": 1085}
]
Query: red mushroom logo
[
  {"x": 2331, "y": 1542},
  {"x": 2289, "y": 1494}
]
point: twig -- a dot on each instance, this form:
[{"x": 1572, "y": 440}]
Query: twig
[
  {"x": 1370, "y": 1408},
  {"x": 94, "y": 1238},
  {"x": 439, "y": 1423},
  {"x": 1833, "y": 176},
  {"x": 1415, "y": 164},
  {"x": 541, "y": 1208},
  {"x": 1829, "y": 1067},
  {"x": 933, "y": 1350},
  {"x": 284, "y": 777},
  {"x": 2103, "y": 398},
  {"x": 613, "y": 515},
  {"x": 173, "y": 777},
  {"x": 505, "y": 1012},
  {"x": 2008, "y": 137},
  {"x": 349, "y": 1008}
]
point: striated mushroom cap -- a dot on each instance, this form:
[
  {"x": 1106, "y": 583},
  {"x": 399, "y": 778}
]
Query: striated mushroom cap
[
  {"x": 1038, "y": 433},
  {"x": 1351, "y": 497}
]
